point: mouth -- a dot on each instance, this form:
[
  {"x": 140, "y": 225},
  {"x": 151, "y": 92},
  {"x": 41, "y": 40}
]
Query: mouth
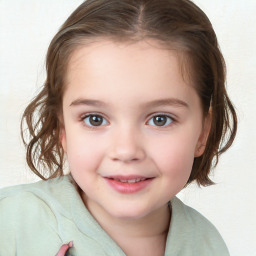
[
  {"x": 128, "y": 178},
  {"x": 131, "y": 181},
  {"x": 128, "y": 184}
]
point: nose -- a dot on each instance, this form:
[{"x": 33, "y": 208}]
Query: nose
[{"x": 127, "y": 145}]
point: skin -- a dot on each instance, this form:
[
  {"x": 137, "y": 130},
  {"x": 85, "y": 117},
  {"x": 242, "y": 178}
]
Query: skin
[{"x": 127, "y": 85}]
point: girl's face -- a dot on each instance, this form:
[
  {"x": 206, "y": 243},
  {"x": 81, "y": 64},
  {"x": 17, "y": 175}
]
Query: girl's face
[{"x": 132, "y": 127}]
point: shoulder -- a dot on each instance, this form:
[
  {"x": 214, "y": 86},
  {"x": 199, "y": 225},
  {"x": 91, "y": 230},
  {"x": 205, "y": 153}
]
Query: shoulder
[
  {"x": 48, "y": 185},
  {"x": 196, "y": 233},
  {"x": 191, "y": 216},
  {"x": 28, "y": 212},
  {"x": 47, "y": 196},
  {"x": 48, "y": 190}
]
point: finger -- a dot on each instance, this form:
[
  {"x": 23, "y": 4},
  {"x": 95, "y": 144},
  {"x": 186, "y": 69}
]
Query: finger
[{"x": 64, "y": 248}]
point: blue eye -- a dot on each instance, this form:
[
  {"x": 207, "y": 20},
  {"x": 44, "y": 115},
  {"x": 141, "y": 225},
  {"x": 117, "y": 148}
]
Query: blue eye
[
  {"x": 160, "y": 120},
  {"x": 95, "y": 120}
]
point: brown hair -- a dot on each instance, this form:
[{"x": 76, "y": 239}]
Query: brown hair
[{"x": 179, "y": 24}]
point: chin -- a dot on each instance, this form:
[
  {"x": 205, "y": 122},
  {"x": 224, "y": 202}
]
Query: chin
[{"x": 129, "y": 213}]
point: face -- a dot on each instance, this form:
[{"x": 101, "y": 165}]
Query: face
[{"x": 132, "y": 127}]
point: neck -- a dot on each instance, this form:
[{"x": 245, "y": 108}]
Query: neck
[{"x": 142, "y": 236}]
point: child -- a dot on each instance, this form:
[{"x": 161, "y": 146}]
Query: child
[{"x": 135, "y": 100}]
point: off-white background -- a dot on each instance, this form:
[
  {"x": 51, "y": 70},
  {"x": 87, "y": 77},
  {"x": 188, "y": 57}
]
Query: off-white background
[{"x": 26, "y": 28}]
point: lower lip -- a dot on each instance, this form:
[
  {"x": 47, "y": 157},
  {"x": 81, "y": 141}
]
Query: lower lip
[{"x": 128, "y": 188}]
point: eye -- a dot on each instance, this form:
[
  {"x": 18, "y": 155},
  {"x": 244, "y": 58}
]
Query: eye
[
  {"x": 160, "y": 120},
  {"x": 94, "y": 120}
]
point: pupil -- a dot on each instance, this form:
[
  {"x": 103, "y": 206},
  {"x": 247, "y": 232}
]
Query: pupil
[
  {"x": 96, "y": 120},
  {"x": 160, "y": 120}
]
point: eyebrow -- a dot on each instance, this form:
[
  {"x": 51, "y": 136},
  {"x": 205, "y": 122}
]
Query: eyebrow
[
  {"x": 155, "y": 103},
  {"x": 88, "y": 102},
  {"x": 167, "y": 102}
]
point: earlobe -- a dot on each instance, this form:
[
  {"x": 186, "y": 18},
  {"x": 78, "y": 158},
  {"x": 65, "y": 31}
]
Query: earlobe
[
  {"x": 201, "y": 144},
  {"x": 199, "y": 150}
]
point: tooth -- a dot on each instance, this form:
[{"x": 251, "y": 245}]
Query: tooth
[{"x": 132, "y": 181}]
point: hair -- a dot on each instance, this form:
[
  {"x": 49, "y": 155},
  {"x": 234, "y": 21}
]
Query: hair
[{"x": 177, "y": 24}]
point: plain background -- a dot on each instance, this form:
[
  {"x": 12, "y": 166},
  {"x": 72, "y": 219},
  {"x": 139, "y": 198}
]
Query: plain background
[{"x": 26, "y": 28}]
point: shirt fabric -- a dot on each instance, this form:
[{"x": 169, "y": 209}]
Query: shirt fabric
[{"x": 37, "y": 219}]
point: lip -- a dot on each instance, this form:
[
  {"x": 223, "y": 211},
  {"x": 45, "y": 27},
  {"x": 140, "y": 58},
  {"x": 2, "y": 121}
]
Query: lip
[{"x": 128, "y": 184}]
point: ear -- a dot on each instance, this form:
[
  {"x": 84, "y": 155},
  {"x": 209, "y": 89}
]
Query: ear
[
  {"x": 62, "y": 135},
  {"x": 63, "y": 139},
  {"x": 200, "y": 147}
]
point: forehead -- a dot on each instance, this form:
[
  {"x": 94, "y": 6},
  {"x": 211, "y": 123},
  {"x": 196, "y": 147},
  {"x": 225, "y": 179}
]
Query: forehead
[
  {"x": 101, "y": 52},
  {"x": 107, "y": 67}
]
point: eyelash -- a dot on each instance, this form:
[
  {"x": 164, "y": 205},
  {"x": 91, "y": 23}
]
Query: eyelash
[
  {"x": 90, "y": 115},
  {"x": 169, "y": 119}
]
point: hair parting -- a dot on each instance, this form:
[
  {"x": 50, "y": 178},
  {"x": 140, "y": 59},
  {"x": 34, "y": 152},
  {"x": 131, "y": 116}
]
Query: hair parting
[{"x": 176, "y": 24}]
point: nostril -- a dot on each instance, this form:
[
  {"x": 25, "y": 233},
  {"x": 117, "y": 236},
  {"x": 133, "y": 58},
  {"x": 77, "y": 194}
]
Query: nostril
[
  {"x": 126, "y": 149},
  {"x": 127, "y": 156},
  {"x": 125, "y": 159}
]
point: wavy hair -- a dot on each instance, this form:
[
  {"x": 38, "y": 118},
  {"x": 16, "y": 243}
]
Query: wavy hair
[{"x": 178, "y": 24}]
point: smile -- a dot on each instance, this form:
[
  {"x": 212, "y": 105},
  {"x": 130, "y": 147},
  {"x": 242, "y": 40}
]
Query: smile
[
  {"x": 131, "y": 181},
  {"x": 128, "y": 185}
]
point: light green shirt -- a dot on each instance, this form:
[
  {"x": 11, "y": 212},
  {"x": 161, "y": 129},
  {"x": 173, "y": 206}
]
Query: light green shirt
[{"x": 37, "y": 219}]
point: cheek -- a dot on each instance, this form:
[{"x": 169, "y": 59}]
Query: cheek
[
  {"x": 174, "y": 156},
  {"x": 84, "y": 157},
  {"x": 83, "y": 154}
]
